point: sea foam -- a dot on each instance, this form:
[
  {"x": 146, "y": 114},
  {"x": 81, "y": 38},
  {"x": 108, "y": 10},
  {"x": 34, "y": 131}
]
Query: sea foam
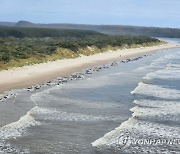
[{"x": 156, "y": 91}]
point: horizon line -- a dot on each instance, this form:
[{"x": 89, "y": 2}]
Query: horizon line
[{"x": 150, "y": 26}]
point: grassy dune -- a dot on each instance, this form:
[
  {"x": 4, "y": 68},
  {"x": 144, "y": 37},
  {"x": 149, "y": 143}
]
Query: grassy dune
[{"x": 27, "y": 50}]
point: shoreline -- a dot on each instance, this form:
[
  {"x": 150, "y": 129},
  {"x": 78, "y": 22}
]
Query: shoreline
[{"x": 23, "y": 77}]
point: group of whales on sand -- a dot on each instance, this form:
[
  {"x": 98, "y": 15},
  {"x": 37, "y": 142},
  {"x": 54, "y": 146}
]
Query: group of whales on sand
[{"x": 75, "y": 76}]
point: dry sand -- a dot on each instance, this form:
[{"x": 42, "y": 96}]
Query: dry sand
[{"x": 23, "y": 77}]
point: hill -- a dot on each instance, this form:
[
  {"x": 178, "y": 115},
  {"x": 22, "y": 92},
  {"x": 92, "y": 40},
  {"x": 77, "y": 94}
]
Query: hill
[
  {"x": 25, "y": 24},
  {"x": 106, "y": 29},
  {"x": 18, "y": 32}
]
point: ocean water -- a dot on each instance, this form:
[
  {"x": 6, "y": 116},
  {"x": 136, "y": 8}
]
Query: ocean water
[{"x": 131, "y": 107}]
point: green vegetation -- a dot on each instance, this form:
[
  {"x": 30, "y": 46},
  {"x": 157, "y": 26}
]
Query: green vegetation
[
  {"x": 69, "y": 44},
  {"x": 106, "y": 29},
  {"x": 44, "y": 32}
]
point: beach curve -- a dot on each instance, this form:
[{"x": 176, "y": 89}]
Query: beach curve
[{"x": 17, "y": 78}]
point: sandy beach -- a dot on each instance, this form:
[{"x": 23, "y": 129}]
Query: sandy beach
[{"x": 23, "y": 77}]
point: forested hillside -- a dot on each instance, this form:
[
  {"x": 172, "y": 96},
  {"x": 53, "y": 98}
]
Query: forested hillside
[
  {"x": 24, "y": 46},
  {"x": 106, "y": 29},
  {"x": 44, "y": 32}
]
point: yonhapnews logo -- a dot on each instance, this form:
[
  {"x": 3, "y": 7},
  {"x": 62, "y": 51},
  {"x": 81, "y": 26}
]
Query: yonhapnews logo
[{"x": 126, "y": 139}]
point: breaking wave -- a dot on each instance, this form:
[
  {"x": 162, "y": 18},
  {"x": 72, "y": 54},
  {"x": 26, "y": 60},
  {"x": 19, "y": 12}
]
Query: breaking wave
[{"x": 155, "y": 116}]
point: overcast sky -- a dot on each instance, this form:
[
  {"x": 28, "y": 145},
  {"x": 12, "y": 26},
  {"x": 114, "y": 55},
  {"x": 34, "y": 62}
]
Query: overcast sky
[{"x": 161, "y": 13}]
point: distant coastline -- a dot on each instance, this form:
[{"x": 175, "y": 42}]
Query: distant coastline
[
  {"x": 23, "y": 77},
  {"x": 106, "y": 29}
]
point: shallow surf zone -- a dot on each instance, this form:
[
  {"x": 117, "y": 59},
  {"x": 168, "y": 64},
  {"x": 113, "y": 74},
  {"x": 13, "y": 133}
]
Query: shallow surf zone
[
  {"x": 155, "y": 125},
  {"x": 153, "y": 128},
  {"x": 15, "y": 130},
  {"x": 59, "y": 115},
  {"x": 69, "y": 103}
]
